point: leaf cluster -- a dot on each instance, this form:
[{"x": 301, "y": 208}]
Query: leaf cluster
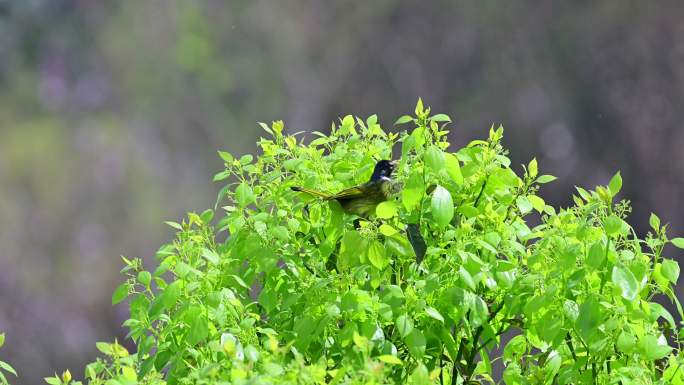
[{"x": 448, "y": 278}]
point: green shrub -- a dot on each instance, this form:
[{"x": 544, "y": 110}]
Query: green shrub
[{"x": 301, "y": 292}]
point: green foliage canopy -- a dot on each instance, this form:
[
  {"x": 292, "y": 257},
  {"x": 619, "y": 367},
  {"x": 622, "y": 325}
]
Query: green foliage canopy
[{"x": 299, "y": 292}]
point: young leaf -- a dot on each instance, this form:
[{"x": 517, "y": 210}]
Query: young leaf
[
  {"x": 532, "y": 168},
  {"x": 654, "y": 348},
  {"x": 386, "y": 209},
  {"x": 412, "y": 193},
  {"x": 404, "y": 325},
  {"x": 678, "y": 242},
  {"x": 434, "y": 158},
  {"x": 623, "y": 278},
  {"x": 545, "y": 179},
  {"x": 440, "y": 118},
  {"x": 670, "y": 270},
  {"x": 244, "y": 194},
  {"x": 120, "y": 293},
  {"x": 432, "y": 312},
  {"x": 612, "y": 225},
  {"x": 377, "y": 255},
  {"x": 654, "y": 221},
  {"x": 389, "y": 359},
  {"x": 453, "y": 168},
  {"x": 615, "y": 184},
  {"x": 442, "y": 206},
  {"x": 404, "y": 119}
]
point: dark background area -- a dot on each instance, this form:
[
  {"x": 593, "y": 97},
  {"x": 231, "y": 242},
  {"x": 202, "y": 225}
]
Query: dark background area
[{"x": 111, "y": 114}]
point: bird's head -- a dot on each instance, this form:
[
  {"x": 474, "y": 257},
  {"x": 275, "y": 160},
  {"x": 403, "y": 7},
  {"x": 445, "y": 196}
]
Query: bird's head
[{"x": 383, "y": 170}]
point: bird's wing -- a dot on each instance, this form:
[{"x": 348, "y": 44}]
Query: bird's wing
[{"x": 350, "y": 193}]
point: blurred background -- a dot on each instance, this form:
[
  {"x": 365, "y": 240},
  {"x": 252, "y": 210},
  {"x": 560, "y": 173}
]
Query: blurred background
[{"x": 111, "y": 114}]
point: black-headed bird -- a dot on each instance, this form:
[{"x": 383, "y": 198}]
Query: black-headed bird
[{"x": 361, "y": 200}]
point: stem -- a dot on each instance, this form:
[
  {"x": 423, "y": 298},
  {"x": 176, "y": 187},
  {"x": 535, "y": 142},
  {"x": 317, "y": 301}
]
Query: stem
[
  {"x": 568, "y": 341},
  {"x": 457, "y": 360}
]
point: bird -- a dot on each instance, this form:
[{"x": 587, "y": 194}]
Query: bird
[{"x": 361, "y": 200}]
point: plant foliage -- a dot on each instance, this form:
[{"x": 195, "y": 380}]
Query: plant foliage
[{"x": 447, "y": 281}]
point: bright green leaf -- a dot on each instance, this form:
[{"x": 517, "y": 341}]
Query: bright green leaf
[
  {"x": 432, "y": 312},
  {"x": 623, "y": 278},
  {"x": 389, "y": 359},
  {"x": 404, "y": 119},
  {"x": 386, "y": 209},
  {"x": 653, "y": 348},
  {"x": 442, "y": 206},
  {"x": 678, "y": 242},
  {"x": 545, "y": 179},
  {"x": 120, "y": 293},
  {"x": 615, "y": 184},
  {"x": 453, "y": 168},
  {"x": 413, "y": 191},
  {"x": 670, "y": 270},
  {"x": 404, "y": 325},
  {"x": 376, "y": 255}
]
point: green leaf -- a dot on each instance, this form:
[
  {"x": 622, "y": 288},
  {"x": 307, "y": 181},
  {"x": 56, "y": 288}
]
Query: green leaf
[
  {"x": 653, "y": 348},
  {"x": 8, "y": 368},
  {"x": 198, "y": 327},
  {"x": 175, "y": 225},
  {"x": 387, "y": 230},
  {"x": 404, "y": 325},
  {"x": 2, "y": 339},
  {"x": 524, "y": 205},
  {"x": 404, "y": 119},
  {"x": 589, "y": 319},
  {"x": 239, "y": 281},
  {"x": 532, "y": 168},
  {"x": 171, "y": 294},
  {"x": 53, "y": 380},
  {"x": 654, "y": 221},
  {"x": 226, "y": 156},
  {"x": 612, "y": 225},
  {"x": 516, "y": 347},
  {"x": 416, "y": 342},
  {"x": 615, "y": 184},
  {"x": 377, "y": 255},
  {"x": 432, "y": 312},
  {"x": 413, "y": 191},
  {"x": 670, "y": 270},
  {"x": 626, "y": 342},
  {"x": 244, "y": 194},
  {"x": 350, "y": 256},
  {"x": 596, "y": 255},
  {"x": 678, "y": 242},
  {"x": 623, "y": 278},
  {"x": 210, "y": 255},
  {"x": 545, "y": 179},
  {"x": 434, "y": 158},
  {"x": 144, "y": 277},
  {"x": 453, "y": 168},
  {"x": 389, "y": 359},
  {"x": 386, "y": 209},
  {"x": 120, "y": 293},
  {"x": 442, "y": 206},
  {"x": 537, "y": 203},
  {"x": 440, "y": 118},
  {"x": 419, "y": 107}
]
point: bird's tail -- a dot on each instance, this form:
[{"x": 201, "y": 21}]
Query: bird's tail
[{"x": 319, "y": 194}]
